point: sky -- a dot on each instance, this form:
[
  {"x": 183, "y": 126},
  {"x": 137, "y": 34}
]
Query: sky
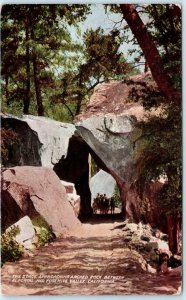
[{"x": 107, "y": 21}]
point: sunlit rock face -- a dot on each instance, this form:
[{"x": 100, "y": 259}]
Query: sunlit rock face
[
  {"x": 109, "y": 126},
  {"x": 36, "y": 191}
]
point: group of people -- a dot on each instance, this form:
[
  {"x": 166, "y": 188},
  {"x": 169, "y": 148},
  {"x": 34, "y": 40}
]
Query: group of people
[{"x": 103, "y": 204}]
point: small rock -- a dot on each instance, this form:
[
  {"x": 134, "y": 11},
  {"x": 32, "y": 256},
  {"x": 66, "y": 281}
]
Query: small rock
[
  {"x": 132, "y": 227},
  {"x": 151, "y": 246},
  {"x": 145, "y": 238},
  {"x": 26, "y": 234},
  {"x": 151, "y": 269}
]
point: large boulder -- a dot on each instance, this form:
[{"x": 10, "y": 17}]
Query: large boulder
[
  {"x": 36, "y": 191},
  {"x": 110, "y": 126},
  {"x": 119, "y": 97},
  {"x": 41, "y": 141},
  {"x": 102, "y": 183},
  {"x": 112, "y": 140}
]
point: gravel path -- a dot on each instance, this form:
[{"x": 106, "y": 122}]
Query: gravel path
[{"x": 93, "y": 260}]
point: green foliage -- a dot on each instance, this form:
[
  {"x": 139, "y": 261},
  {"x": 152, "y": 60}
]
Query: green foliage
[
  {"x": 160, "y": 155},
  {"x": 8, "y": 138},
  {"x": 94, "y": 167},
  {"x": 34, "y": 52},
  {"x": 40, "y": 222},
  {"x": 117, "y": 197},
  {"x": 44, "y": 236},
  {"x": 103, "y": 57},
  {"x": 100, "y": 61},
  {"x": 10, "y": 249},
  {"x": 165, "y": 26},
  {"x": 44, "y": 232},
  {"x": 45, "y": 70}
]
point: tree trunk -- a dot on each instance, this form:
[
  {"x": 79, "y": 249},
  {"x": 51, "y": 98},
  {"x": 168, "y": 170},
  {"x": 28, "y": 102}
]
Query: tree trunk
[
  {"x": 6, "y": 90},
  {"x": 26, "y": 103},
  {"x": 151, "y": 53},
  {"x": 78, "y": 106},
  {"x": 173, "y": 225},
  {"x": 40, "y": 108}
]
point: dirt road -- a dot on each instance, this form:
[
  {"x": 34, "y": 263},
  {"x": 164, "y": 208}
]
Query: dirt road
[{"x": 93, "y": 260}]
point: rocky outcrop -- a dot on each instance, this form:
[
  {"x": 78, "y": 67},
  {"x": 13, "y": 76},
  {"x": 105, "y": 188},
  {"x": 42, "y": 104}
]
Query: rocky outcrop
[
  {"x": 119, "y": 97},
  {"x": 36, "y": 191},
  {"x": 41, "y": 141},
  {"x": 26, "y": 232},
  {"x": 102, "y": 183},
  {"x": 108, "y": 130},
  {"x": 144, "y": 237},
  {"x": 147, "y": 207},
  {"x": 109, "y": 125},
  {"x": 45, "y": 142},
  {"x": 112, "y": 140}
]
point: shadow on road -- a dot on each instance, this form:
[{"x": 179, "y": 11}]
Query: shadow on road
[{"x": 102, "y": 218}]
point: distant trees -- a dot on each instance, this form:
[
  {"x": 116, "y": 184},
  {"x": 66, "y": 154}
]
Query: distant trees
[
  {"x": 101, "y": 60},
  {"x": 47, "y": 71},
  {"x": 35, "y": 40}
]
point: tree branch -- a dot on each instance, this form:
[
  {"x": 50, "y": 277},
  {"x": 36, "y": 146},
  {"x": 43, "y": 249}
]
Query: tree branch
[{"x": 151, "y": 54}]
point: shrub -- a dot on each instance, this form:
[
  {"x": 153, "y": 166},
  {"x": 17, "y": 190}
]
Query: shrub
[
  {"x": 11, "y": 250},
  {"x": 44, "y": 236},
  {"x": 44, "y": 233}
]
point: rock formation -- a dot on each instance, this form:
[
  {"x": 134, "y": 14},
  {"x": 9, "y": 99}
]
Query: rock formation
[
  {"x": 45, "y": 142},
  {"x": 111, "y": 139},
  {"x": 41, "y": 141},
  {"x": 35, "y": 191},
  {"x": 109, "y": 125},
  {"x": 108, "y": 130}
]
